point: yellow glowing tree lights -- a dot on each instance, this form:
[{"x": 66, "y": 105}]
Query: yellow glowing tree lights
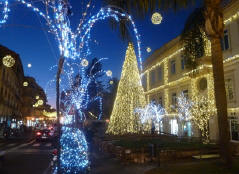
[
  {"x": 130, "y": 95},
  {"x": 156, "y": 18},
  {"x": 202, "y": 110},
  {"x": 8, "y": 61}
]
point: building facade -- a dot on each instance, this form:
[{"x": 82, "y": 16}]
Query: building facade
[
  {"x": 11, "y": 78},
  {"x": 165, "y": 77},
  {"x": 22, "y": 100}
]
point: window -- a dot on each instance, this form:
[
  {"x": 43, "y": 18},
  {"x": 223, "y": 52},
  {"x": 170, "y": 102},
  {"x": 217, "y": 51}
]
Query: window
[
  {"x": 185, "y": 93},
  {"x": 161, "y": 101},
  {"x": 234, "y": 126},
  {"x": 229, "y": 89},
  {"x": 144, "y": 81},
  {"x": 152, "y": 77},
  {"x": 225, "y": 40},
  {"x": 174, "y": 127},
  {"x": 159, "y": 73},
  {"x": 182, "y": 63},
  {"x": 174, "y": 99},
  {"x": 173, "y": 66},
  {"x": 153, "y": 101}
]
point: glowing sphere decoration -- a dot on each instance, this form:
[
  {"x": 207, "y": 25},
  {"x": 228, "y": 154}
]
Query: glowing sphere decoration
[
  {"x": 148, "y": 49},
  {"x": 37, "y": 97},
  {"x": 84, "y": 63},
  {"x": 109, "y": 73},
  {"x": 29, "y": 65},
  {"x": 40, "y": 102},
  {"x": 156, "y": 18},
  {"x": 111, "y": 82},
  {"x": 8, "y": 61},
  {"x": 25, "y": 84}
]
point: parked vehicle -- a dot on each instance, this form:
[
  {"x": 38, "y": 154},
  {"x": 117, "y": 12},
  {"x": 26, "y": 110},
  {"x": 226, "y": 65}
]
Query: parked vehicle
[{"x": 43, "y": 135}]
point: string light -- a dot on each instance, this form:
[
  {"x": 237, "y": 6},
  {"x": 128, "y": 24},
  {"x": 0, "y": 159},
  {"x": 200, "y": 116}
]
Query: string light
[
  {"x": 202, "y": 110},
  {"x": 29, "y": 65},
  {"x": 4, "y": 12},
  {"x": 150, "y": 116},
  {"x": 8, "y": 61},
  {"x": 129, "y": 96},
  {"x": 184, "y": 106},
  {"x": 74, "y": 152}
]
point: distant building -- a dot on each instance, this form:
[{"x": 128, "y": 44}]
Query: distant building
[
  {"x": 34, "y": 101},
  {"x": 166, "y": 77},
  {"x": 11, "y": 78},
  {"x": 22, "y": 100}
]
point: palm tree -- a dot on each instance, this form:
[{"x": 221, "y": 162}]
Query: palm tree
[{"x": 213, "y": 27}]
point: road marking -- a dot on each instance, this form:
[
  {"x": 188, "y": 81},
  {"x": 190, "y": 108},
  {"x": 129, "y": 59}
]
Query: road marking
[
  {"x": 10, "y": 145},
  {"x": 36, "y": 145},
  {"x": 15, "y": 148},
  {"x": 48, "y": 144}
]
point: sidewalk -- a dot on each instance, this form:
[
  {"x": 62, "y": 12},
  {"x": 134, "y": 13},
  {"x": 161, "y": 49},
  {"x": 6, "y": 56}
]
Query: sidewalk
[{"x": 103, "y": 163}]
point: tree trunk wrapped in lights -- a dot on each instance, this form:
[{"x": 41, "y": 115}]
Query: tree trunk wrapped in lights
[{"x": 130, "y": 95}]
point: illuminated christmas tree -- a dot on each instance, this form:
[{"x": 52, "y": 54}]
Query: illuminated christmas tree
[{"x": 130, "y": 95}]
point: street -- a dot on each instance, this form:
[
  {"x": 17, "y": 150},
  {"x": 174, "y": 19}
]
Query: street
[{"x": 26, "y": 157}]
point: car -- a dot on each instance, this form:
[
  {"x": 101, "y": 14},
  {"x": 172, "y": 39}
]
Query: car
[{"x": 43, "y": 134}]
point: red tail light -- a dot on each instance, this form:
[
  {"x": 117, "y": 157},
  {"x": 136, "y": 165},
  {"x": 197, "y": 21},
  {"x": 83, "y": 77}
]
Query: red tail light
[
  {"x": 38, "y": 133},
  {"x": 54, "y": 152}
]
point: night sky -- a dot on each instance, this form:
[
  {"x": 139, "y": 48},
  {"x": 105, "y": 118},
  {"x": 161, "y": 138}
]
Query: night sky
[{"x": 26, "y": 34}]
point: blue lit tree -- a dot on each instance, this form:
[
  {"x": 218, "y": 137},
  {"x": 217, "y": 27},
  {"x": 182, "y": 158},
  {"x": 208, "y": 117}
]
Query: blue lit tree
[{"x": 74, "y": 151}]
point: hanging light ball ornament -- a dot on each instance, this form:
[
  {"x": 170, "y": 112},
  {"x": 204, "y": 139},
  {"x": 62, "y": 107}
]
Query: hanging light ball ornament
[
  {"x": 111, "y": 82},
  {"x": 148, "y": 49},
  {"x": 156, "y": 18},
  {"x": 84, "y": 63},
  {"x": 109, "y": 73},
  {"x": 37, "y": 97},
  {"x": 40, "y": 102},
  {"x": 29, "y": 65},
  {"x": 25, "y": 83},
  {"x": 8, "y": 61}
]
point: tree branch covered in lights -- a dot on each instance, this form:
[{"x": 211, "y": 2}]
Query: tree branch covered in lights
[
  {"x": 150, "y": 116},
  {"x": 184, "y": 106}
]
